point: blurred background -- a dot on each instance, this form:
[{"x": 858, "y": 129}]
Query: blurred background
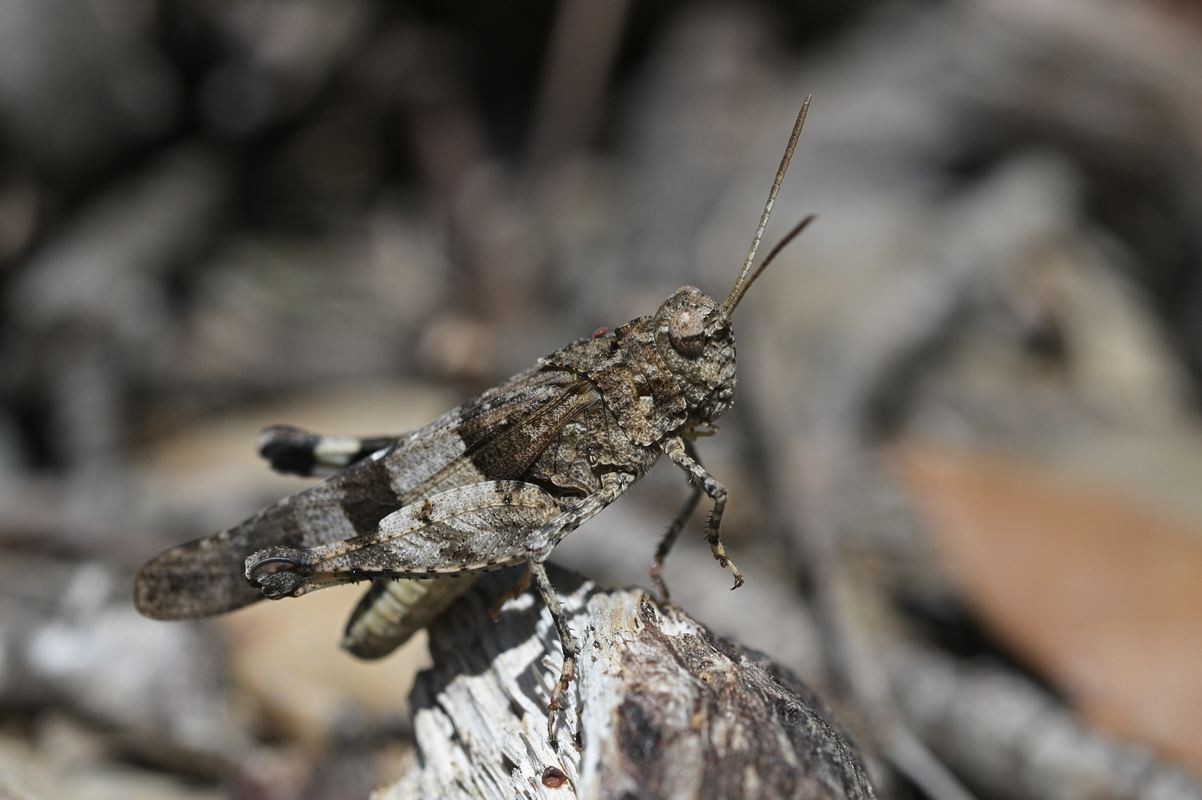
[{"x": 965, "y": 461}]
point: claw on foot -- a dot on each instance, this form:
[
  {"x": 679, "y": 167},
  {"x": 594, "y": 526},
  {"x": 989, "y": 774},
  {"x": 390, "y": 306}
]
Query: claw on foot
[
  {"x": 720, "y": 556},
  {"x": 555, "y": 706}
]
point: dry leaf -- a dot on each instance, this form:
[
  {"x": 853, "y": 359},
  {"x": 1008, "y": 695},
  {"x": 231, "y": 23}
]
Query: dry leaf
[{"x": 1099, "y": 594}]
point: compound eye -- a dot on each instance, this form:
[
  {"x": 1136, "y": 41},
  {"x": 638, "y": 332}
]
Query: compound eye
[{"x": 686, "y": 332}]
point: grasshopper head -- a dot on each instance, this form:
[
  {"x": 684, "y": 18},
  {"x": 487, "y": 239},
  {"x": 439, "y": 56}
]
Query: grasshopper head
[{"x": 693, "y": 335}]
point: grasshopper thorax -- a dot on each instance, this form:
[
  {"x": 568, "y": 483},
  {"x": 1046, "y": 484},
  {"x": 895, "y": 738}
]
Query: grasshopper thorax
[{"x": 694, "y": 338}]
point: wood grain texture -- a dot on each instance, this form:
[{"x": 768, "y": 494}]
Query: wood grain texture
[{"x": 666, "y": 709}]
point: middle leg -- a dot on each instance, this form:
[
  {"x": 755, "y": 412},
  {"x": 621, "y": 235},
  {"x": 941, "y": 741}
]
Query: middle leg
[{"x": 669, "y": 539}]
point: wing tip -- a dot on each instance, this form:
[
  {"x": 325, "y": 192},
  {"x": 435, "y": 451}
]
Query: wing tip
[
  {"x": 174, "y": 586},
  {"x": 153, "y": 598}
]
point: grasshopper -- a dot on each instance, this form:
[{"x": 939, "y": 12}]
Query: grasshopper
[{"x": 495, "y": 482}]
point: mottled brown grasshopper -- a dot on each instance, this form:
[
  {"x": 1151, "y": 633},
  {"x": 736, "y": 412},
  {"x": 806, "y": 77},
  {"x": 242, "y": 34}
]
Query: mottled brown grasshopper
[{"x": 497, "y": 481}]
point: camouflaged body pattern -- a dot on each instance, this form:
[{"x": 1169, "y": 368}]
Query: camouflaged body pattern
[{"x": 565, "y": 437}]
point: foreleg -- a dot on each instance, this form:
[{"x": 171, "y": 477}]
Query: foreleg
[{"x": 677, "y": 450}]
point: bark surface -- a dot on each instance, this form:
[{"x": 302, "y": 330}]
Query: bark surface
[{"x": 662, "y": 708}]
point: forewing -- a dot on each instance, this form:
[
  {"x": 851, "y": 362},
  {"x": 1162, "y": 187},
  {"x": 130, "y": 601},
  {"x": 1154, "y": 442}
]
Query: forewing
[
  {"x": 502, "y": 430},
  {"x": 204, "y": 576},
  {"x": 467, "y": 529}
]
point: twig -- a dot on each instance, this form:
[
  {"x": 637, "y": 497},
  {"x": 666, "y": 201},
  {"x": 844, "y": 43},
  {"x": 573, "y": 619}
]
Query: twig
[
  {"x": 1016, "y": 741},
  {"x": 583, "y": 47}
]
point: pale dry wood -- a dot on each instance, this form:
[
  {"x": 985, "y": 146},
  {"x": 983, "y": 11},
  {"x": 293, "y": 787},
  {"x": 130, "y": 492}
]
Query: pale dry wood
[{"x": 667, "y": 710}]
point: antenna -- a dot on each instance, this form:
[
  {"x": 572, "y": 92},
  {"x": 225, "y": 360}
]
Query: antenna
[{"x": 743, "y": 283}]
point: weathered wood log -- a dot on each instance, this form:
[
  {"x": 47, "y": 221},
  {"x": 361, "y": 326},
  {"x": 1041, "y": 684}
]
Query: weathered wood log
[{"x": 662, "y": 708}]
